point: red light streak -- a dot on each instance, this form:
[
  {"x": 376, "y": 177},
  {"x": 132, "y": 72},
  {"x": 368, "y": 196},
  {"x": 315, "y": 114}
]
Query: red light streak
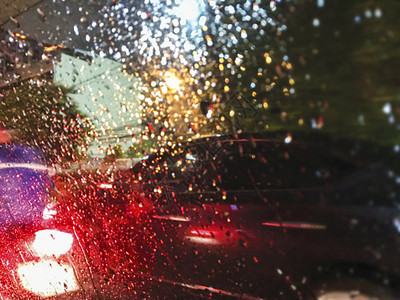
[
  {"x": 202, "y": 233},
  {"x": 297, "y": 225}
]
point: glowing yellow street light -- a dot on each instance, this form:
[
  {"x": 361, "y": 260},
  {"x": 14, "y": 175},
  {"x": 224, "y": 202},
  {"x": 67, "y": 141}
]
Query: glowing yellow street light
[{"x": 171, "y": 81}]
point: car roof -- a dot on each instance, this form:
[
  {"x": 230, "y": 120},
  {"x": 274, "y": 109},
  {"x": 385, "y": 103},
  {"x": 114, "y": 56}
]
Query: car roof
[{"x": 366, "y": 151}]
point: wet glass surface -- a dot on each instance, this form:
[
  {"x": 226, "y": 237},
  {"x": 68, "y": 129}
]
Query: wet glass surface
[{"x": 190, "y": 149}]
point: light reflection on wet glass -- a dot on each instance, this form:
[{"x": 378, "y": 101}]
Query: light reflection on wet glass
[{"x": 190, "y": 148}]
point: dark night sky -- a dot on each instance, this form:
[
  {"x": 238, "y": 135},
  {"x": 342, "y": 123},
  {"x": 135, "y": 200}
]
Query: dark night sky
[{"x": 58, "y": 25}]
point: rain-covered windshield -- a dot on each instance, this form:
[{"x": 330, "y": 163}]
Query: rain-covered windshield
[{"x": 199, "y": 148}]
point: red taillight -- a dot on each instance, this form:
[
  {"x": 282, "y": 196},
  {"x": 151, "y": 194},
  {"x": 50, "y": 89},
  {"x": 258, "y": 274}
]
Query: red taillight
[
  {"x": 202, "y": 233},
  {"x": 47, "y": 278},
  {"x": 52, "y": 243}
]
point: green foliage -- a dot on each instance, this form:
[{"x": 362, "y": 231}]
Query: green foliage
[{"x": 43, "y": 115}]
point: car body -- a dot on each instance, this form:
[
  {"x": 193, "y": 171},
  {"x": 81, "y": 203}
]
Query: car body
[
  {"x": 271, "y": 215},
  {"x": 55, "y": 242},
  {"x": 249, "y": 216}
]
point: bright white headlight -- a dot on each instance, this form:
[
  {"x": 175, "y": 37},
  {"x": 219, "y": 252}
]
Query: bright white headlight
[{"x": 51, "y": 242}]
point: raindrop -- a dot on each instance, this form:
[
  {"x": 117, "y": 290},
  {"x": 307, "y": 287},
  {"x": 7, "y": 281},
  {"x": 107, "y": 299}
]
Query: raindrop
[
  {"x": 316, "y": 22},
  {"x": 76, "y": 30},
  {"x": 41, "y": 13},
  {"x": 272, "y": 5},
  {"x": 368, "y": 14},
  {"x": 361, "y": 119},
  {"x": 387, "y": 108},
  {"x": 15, "y": 21},
  {"x": 230, "y": 9},
  {"x": 202, "y": 21},
  {"x": 378, "y": 13}
]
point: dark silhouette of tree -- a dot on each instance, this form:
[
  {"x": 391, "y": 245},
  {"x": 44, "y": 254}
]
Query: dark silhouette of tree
[
  {"x": 43, "y": 116},
  {"x": 345, "y": 58}
]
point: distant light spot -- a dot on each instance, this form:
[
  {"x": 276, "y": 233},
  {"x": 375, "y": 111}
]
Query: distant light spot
[
  {"x": 387, "y": 108},
  {"x": 368, "y": 14}
]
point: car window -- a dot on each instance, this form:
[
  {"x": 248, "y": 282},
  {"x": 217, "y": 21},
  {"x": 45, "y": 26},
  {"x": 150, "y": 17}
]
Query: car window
[{"x": 199, "y": 149}]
